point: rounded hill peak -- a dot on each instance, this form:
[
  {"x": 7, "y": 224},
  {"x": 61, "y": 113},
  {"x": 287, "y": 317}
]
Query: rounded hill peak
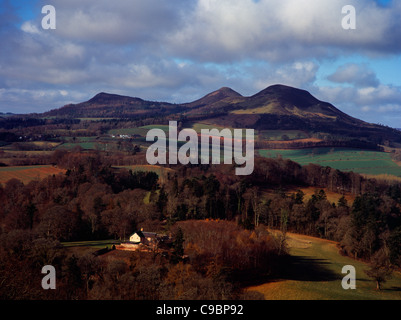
[{"x": 294, "y": 96}]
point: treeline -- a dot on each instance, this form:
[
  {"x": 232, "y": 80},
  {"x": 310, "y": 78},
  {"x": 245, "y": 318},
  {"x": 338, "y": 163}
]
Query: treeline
[
  {"x": 97, "y": 196},
  {"x": 211, "y": 270},
  {"x": 16, "y": 122},
  {"x": 95, "y": 201},
  {"x": 370, "y": 224}
]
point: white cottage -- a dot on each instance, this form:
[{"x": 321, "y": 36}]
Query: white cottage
[{"x": 143, "y": 237}]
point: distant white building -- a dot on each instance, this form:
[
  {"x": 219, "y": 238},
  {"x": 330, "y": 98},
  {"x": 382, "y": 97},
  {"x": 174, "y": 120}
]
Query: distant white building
[{"x": 147, "y": 238}]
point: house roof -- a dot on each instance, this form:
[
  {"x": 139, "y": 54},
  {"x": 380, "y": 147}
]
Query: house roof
[{"x": 144, "y": 234}]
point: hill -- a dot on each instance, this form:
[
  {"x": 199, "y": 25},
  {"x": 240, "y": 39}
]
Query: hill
[
  {"x": 277, "y": 107},
  {"x": 281, "y": 107},
  {"x": 215, "y": 99},
  {"x": 106, "y": 105}
]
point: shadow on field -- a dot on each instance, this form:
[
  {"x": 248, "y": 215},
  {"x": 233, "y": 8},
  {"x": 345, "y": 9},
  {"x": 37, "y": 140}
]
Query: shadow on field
[
  {"x": 393, "y": 288},
  {"x": 307, "y": 269}
]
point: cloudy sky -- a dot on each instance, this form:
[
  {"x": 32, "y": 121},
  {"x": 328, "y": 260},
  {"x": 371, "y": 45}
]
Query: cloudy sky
[{"x": 180, "y": 50}]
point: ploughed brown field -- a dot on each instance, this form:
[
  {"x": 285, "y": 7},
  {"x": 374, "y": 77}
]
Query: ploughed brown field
[{"x": 27, "y": 174}]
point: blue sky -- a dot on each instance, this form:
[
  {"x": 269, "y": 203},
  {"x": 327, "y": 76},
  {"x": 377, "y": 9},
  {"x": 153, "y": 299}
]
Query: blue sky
[{"x": 178, "y": 51}]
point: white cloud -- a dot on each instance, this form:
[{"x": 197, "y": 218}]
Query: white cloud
[
  {"x": 29, "y": 27},
  {"x": 117, "y": 22},
  {"x": 390, "y": 108},
  {"x": 370, "y": 103},
  {"x": 356, "y": 74},
  {"x": 297, "y": 74},
  {"x": 366, "y": 109},
  {"x": 180, "y": 50},
  {"x": 281, "y": 30}
]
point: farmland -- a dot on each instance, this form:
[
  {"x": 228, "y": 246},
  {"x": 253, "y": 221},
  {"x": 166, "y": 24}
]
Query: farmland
[
  {"x": 345, "y": 159},
  {"x": 27, "y": 173},
  {"x": 140, "y": 131}
]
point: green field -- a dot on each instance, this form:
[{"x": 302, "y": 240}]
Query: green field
[
  {"x": 96, "y": 244},
  {"x": 198, "y": 126},
  {"x": 345, "y": 159},
  {"x": 316, "y": 274},
  {"x": 83, "y": 145}
]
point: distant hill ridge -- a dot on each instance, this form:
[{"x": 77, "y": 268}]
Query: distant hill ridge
[{"x": 277, "y": 107}]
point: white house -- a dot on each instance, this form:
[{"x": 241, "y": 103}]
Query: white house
[{"x": 143, "y": 237}]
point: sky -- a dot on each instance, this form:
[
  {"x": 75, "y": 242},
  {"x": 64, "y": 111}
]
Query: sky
[{"x": 178, "y": 51}]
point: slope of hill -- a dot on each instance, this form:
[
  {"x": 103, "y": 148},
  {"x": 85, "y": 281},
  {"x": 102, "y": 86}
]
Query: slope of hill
[
  {"x": 112, "y": 105},
  {"x": 277, "y": 107},
  {"x": 214, "y": 99},
  {"x": 282, "y": 107},
  {"x": 315, "y": 274}
]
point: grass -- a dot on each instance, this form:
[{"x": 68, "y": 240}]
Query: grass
[
  {"x": 96, "y": 244},
  {"x": 259, "y": 110},
  {"x": 345, "y": 159},
  {"x": 198, "y": 126},
  {"x": 315, "y": 274},
  {"x": 81, "y": 248},
  {"x": 83, "y": 145}
]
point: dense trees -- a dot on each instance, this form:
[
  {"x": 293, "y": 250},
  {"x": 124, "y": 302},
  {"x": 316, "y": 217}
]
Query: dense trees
[{"x": 93, "y": 200}]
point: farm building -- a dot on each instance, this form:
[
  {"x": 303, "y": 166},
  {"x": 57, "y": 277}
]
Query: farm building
[
  {"x": 147, "y": 238},
  {"x": 145, "y": 241}
]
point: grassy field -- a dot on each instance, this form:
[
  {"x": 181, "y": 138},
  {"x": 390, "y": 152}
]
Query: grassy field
[
  {"x": 95, "y": 244},
  {"x": 198, "y": 126},
  {"x": 81, "y": 248},
  {"x": 83, "y": 145},
  {"x": 28, "y": 173},
  {"x": 315, "y": 274},
  {"x": 345, "y": 159}
]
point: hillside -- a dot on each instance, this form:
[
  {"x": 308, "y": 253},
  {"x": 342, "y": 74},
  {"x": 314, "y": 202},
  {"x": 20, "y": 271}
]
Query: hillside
[
  {"x": 314, "y": 274},
  {"x": 282, "y": 107},
  {"x": 215, "y": 99},
  {"x": 105, "y": 105},
  {"x": 277, "y": 107}
]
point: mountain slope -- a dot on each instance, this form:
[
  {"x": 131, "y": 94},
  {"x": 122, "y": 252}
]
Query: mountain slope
[
  {"x": 113, "y": 105},
  {"x": 279, "y": 100},
  {"x": 281, "y": 107},
  {"x": 213, "y": 99},
  {"x": 277, "y": 107}
]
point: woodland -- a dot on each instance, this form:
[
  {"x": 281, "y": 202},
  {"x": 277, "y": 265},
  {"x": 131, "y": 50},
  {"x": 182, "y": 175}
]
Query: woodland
[{"x": 219, "y": 223}]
